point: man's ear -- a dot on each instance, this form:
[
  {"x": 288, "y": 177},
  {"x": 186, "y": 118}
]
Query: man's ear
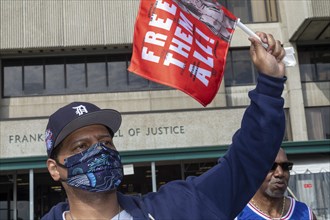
[{"x": 52, "y": 169}]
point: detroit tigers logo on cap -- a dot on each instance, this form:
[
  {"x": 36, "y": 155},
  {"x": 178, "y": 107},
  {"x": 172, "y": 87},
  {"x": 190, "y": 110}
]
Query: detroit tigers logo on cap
[{"x": 80, "y": 110}]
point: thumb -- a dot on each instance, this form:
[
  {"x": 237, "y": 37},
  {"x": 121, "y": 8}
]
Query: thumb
[{"x": 259, "y": 55}]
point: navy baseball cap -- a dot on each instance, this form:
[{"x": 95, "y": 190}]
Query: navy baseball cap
[{"x": 77, "y": 115}]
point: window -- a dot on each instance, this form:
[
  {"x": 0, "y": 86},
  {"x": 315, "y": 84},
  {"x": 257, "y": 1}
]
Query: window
[
  {"x": 54, "y": 76},
  {"x": 99, "y": 73},
  {"x": 117, "y": 74},
  {"x": 13, "y": 77},
  {"x": 314, "y": 63},
  {"x": 71, "y": 75},
  {"x": 6, "y": 196},
  {"x": 239, "y": 68},
  {"x": 76, "y": 75},
  {"x": 318, "y": 122},
  {"x": 33, "y": 77},
  {"x": 251, "y": 11}
]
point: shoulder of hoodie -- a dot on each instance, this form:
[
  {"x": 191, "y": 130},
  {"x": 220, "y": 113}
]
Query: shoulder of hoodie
[{"x": 56, "y": 211}]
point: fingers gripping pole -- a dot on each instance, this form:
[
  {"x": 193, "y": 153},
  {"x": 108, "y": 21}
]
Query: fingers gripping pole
[{"x": 288, "y": 60}]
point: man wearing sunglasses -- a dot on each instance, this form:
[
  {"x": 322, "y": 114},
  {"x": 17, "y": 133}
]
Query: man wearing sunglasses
[{"x": 269, "y": 202}]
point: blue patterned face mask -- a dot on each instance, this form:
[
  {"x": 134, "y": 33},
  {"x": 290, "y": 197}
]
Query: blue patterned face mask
[{"x": 97, "y": 169}]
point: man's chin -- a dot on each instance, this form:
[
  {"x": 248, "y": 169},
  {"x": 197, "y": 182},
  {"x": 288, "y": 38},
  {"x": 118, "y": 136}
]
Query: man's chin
[{"x": 278, "y": 193}]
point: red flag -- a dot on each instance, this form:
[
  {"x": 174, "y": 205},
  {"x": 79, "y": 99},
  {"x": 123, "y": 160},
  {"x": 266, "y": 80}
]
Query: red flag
[{"x": 183, "y": 44}]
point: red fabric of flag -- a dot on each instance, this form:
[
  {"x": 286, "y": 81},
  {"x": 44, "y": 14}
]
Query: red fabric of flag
[{"x": 183, "y": 44}]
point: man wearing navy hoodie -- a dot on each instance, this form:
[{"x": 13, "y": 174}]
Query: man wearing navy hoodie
[{"x": 79, "y": 140}]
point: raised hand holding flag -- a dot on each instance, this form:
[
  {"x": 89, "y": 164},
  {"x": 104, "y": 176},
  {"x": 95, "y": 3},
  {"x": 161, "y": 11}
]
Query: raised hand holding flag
[{"x": 184, "y": 44}]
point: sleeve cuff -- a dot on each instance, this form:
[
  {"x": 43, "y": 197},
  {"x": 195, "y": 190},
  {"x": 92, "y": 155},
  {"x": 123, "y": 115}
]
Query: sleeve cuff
[{"x": 270, "y": 86}]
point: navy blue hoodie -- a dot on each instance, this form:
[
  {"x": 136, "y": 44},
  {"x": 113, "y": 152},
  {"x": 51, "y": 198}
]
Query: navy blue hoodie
[{"x": 224, "y": 190}]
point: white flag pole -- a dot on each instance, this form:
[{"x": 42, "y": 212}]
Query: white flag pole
[
  {"x": 288, "y": 60},
  {"x": 250, "y": 32}
]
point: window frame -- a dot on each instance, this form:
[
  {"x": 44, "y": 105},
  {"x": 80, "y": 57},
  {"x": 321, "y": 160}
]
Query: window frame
[
  {"x": 83, "y": 59},
  {"x": 310, "y": 57},
  {"x": 315, "y": 125},
  {"x": 230, "y": 73}
]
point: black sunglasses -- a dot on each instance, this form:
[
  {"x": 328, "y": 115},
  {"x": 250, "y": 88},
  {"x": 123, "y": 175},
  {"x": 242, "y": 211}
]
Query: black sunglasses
[{"x": 286, "y": 166}]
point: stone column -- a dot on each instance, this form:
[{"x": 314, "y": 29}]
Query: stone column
[{"x": 296, "y": 102}]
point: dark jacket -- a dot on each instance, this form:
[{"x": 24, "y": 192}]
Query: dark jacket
[{"x": 224, "y": 190}]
